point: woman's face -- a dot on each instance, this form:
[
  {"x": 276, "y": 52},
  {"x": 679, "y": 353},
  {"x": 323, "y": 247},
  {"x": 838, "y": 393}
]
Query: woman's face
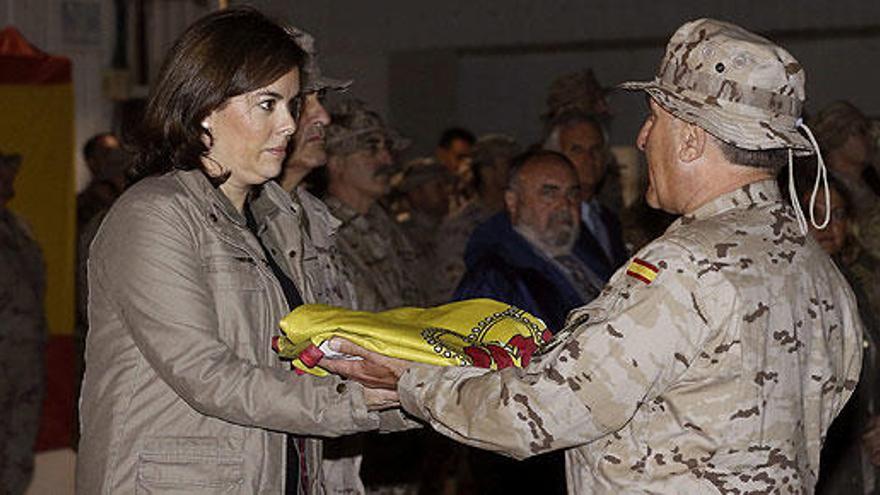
[{"x": 250, "y": 132}]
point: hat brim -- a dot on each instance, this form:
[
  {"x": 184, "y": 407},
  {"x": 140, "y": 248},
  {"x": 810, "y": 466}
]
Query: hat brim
[
  {"x": 325, "y": 83},
  {"x": 739, "y": 125}
]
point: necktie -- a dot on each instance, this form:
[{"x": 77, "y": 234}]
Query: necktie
[
  {"x": 597, "y": 228},
  {"x": 585, "y": 281}
]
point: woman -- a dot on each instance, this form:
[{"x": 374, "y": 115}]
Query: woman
[{"x": 188, "y": 276}]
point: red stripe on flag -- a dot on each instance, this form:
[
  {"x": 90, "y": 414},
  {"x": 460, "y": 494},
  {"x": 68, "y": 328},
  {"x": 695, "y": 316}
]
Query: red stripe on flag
[
  {"x": 638, "y": 276},
  {"x": 646, "y": 265}
]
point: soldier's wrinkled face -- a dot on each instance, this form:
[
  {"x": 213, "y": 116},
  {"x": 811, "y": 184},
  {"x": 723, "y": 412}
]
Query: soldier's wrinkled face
[
  {"x": 309, "y": 142},
  {"x": 368, "y": 169},
  {"x": 584, "y": 144},
  {"x": 833, "y": 237},
  {"x": 657, "y": 140},
  {"x": 546, "y": 199},
  {"x": 249, "y": 133}
]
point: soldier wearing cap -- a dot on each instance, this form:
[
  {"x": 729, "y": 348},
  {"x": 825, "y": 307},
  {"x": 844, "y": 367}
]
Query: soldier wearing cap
[
  {"x": 426, "y": 185},
  {"x": 318, "y": 230},
  {"x": 379, "y": 257},
  {"x": 843, "y": 133},
  {"x": 23, "y": 334},
  {"x": 490, "y": 165},
  {"x": 716, "y": 359},
  {"x": 307, "y": 152}
]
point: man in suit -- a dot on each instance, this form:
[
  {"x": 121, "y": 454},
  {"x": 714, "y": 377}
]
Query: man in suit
[
  {"x": 579, "y": 136},
  {"x": 536, "y": 255}
]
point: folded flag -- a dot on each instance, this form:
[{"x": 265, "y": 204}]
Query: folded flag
[{"x": 477, "y": 332}]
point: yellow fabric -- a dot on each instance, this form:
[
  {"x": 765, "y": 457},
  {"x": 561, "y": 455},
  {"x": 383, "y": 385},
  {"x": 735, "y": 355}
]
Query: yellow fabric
[
  {"x": 479, "y": 332},
  {"x": 642, "y": 270},
  {"x": 38, "y": 123}
]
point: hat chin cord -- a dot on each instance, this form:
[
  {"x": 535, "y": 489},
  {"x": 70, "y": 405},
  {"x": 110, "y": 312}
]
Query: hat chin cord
[{"x": 821, "y": 177}]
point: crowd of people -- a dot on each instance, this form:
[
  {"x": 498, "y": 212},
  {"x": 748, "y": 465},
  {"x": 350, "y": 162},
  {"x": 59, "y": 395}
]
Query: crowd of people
[{"x": 707, "y": 331}]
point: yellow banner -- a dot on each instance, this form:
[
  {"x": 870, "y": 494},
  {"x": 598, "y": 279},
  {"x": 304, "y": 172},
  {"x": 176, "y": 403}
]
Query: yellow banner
[
  {"x": 476, "y": 332},
  {"x": 38, "y": 123}
]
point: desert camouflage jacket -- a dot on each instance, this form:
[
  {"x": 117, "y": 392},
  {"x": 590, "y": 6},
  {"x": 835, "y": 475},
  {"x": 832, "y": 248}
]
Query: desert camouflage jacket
[
  {"x": 713, "y": 362},
  {"x": 377, "y": 257}
]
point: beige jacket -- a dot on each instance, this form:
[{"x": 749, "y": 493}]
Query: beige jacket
[
  {"x": 715, "y": 364},
  {"x": 182, "y": 392}
]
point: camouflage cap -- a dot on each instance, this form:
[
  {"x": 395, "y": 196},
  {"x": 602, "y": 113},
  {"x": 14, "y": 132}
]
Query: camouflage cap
[
  {"x": 576, "y": 90},
  {"x": 422, "y": 171},
  {"x": 313, "y": 80},
  {"x": 740, "y": 87},
  {"x": 353, "y": 125},
  {"x": 492, "y": 147}
]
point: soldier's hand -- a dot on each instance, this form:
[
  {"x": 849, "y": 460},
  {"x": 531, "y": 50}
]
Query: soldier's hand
[{"x": 374, "y": 370}]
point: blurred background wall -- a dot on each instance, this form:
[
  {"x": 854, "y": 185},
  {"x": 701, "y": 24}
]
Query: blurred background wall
[{"x": 484, "y": 65}]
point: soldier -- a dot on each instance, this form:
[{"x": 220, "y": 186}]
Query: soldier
[
  {"x": 490, "y": 163},
  {"x": 23, "y": 335},
  {"x": 107, "y": 163},
  {"x": 426, "y": 185},
  {"x": 842, "y": 131},
  {"x": 379, "y": 260},
  {"x": 377, "y": 254},
  {"x": 715, "y": 361},
  {"x": 317, "y": 236}
]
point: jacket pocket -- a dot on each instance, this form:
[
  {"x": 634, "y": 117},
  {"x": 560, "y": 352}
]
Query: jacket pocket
[
  {"x": 237, "y": 273},
  {"x": 190, "y": 465}
]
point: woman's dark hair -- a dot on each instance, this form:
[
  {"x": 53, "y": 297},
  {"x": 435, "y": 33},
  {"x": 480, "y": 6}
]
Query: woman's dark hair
[{"x": 222, "y": 55}]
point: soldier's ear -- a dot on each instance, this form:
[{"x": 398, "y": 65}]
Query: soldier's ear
[{"x": 691, "y": 143}]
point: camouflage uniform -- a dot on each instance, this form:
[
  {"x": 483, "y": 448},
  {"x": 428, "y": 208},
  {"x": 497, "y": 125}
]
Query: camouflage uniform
[
  {"x": 381, "y": 263},
  {"x": 23, "y": 335},
  {"x": 421, "y": 228},
  {"x": 377, "y": 257},
  {"x": 683, "y": 384},
  {"x": 455, "y": 232},
  {"x": 846, "y": 468},
  {"x": 717, "y": 358}
]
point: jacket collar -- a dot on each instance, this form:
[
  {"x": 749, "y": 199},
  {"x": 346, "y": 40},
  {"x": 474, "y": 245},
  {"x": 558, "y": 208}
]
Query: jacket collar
[
  {"x": 266, "y": 200},
  {"x": 754, "y": 195},
  {"x": 316, "y": 217}
]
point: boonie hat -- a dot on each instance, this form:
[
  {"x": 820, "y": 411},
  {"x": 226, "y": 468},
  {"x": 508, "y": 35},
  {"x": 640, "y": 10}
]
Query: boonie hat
[{"x": 740, "y": 87}]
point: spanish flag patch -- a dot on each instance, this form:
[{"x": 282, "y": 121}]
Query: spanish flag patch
[{"x": 642, "y": 270}]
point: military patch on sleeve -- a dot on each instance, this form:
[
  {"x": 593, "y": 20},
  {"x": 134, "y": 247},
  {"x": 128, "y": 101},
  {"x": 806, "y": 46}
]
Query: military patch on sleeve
[{"x": 642, "y": 270}]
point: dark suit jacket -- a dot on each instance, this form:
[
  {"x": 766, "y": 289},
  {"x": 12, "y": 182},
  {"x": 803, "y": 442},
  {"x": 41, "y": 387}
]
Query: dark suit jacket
[{"x": 502, "y": 265}]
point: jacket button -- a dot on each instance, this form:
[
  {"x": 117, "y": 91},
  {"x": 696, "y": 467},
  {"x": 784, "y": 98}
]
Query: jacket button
[
  {"x": 341, "y": 388},
  {"x": 292, "y": 253},
  {"x": 213, "y": 217}
]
